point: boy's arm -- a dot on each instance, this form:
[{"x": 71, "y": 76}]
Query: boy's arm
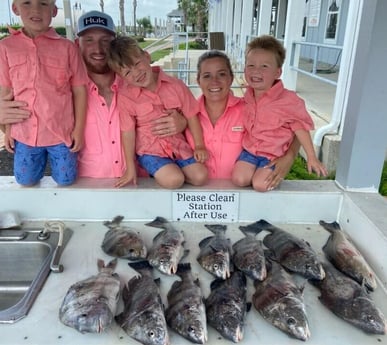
[
  {"x": 200, "y": 152},
  {"x": 313, "y": 163},
  {"x": 128, "y": 139},
  {"x": 80, "y": 108}
]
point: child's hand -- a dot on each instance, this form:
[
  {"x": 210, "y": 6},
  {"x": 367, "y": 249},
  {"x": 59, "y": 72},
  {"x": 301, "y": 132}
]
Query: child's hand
[
  {"x": 200, "y": 154},
  {"x": 315, "y": 165},
  {"x": 77, "y": 137},
  {"x": 129, "y": 176},
  {"x": 9, "y": 142}
]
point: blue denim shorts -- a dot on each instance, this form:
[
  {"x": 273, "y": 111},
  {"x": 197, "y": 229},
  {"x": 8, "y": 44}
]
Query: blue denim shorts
[
  {"x": 153, "y": 163},
  {"x": 258, "y": 161},
  {"x": 30, "y": 163}
]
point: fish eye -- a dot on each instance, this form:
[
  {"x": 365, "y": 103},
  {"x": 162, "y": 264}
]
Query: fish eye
[
  {"x": 215, "y": 266},
  {"x": 190, "y": 329},
  {"x": 291, "y": 321},
  {"x": 151, "y": 334},
  {"x": 370, "y": 318}
]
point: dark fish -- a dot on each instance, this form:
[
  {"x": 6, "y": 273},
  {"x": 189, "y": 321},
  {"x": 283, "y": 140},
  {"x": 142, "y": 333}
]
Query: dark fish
[
  {"x": 226, "y": 306},
  {"x": 280, "y": 301},
  {"x": 167, "y": 248},
  {"x": 90, "y": 304},
  {"x": 123, "y": 242},
  {"x": 143, "y": 316},
  {"x": 293, "y": 253},
  {"x": 348, "y": 300},
  {"x": 249, "y": 256},
  {"x": 186, "y": 313},
  {"x": 215, "y": 252},
  {"x": 342, "y": 252}
]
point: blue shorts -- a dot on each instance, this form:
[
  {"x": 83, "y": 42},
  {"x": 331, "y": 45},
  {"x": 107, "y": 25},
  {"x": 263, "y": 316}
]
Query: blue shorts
[
  {"x": 30, "y": 163},
  {"x": 258, "y": 161},
  {"x": 153, "y": 163}
]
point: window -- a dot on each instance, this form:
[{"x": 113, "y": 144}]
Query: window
[{"x": 332, "y": 20}]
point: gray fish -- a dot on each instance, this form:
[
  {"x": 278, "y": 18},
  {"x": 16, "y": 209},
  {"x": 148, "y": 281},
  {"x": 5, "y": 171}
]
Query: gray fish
[
  {"x": 280, "y": 301},
  {"x": 167, "y": 248},
  {"x": 90, "y": 304},
  {"x": 186, "y": 313},
  {"x": 226, "y": 306},
  {"x": 249, "y": 256},
  {"x": 143, "y": 316},
  {"x": 215, "y": 252},
  {"x": 293, "y": 253},
  {"x": 123, "y": 242},
  {"x": 348, "y": 300},
  {"x": 342, "y": 252}
]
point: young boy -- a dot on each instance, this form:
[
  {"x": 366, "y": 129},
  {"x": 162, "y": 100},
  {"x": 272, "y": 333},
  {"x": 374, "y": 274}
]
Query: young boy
[
  {"x": 273, "y": 116},
  {"x": 46, "y": 71},
  {"x": 149, "y": 94}
]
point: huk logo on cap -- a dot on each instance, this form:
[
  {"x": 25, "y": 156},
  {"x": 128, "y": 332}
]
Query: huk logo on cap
[{"x": 95, "y": 21}]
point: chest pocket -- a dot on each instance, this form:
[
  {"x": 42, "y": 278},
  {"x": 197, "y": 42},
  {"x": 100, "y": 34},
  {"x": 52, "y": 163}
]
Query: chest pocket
[
  {"x": 54, "y": 72},
  {"x": 18, "y": 69},
  {"x": 234, "y": 135}
]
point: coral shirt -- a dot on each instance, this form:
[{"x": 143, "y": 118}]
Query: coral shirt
[
  {"x": 102, "y": 155},
  {"x": 41, "y": 71},
  {"x": 139, "y": 107},
  {"x": 271, "y": 120},
  {"x": 224, "y": 139}
]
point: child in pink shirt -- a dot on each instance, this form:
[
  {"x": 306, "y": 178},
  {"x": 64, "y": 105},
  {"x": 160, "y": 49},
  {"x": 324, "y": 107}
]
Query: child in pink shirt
[
  {"x": 149, "y": 94},
  {"x": 273, "y": 116},
  {"x": 46, "y": 71}
]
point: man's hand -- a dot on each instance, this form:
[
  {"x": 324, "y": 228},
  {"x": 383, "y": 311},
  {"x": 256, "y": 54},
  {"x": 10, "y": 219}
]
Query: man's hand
[{"x": 12, "y": 111}]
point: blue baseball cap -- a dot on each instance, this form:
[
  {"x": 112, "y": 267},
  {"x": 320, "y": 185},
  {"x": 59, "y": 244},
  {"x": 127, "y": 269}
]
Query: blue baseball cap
[{"x": 95, "y": 19}]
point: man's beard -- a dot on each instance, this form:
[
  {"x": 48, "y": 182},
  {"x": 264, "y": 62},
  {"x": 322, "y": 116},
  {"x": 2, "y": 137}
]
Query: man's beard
[{"x": 100, "y": 69}]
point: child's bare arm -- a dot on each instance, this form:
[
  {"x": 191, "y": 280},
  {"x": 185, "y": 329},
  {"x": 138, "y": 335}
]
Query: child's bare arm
[
  {"x": 80, "y": 108},
  {"x": 313, "y": 163},
  {"x": 128, "y": 139},
  {"x": 200, "y": 152}
]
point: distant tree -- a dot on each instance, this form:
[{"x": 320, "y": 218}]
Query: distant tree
[
  {"x": 122, "y": 16},
  {"x": 145, "y": 26},
  {"x": 195, "y": 13},
  {"x": 101, "y": 4}
]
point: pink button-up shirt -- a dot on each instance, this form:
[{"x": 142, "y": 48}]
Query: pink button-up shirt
[
  {"x": 41, "y": 71},
  {"x": 224, "y": 139},
  {"x": 139, "y": 107},
  {"x": 102, "y": 155},
  {"x": 270, "y": 121}
]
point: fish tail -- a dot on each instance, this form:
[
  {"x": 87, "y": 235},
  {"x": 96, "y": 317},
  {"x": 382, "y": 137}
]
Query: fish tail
[
  {"x": 331, "y": 227},
  {"x": 257, "y": 227},
  {"x": 114, "y": 223},
  {"x": 158, "y": 222},
  {"x": 140, "y": 266},
  {"x": 216, "y": 228},
  {"x": 183, "y": 268}
]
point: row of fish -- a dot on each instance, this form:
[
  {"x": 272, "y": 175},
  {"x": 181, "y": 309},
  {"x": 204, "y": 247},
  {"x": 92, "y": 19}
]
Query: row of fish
[{"x": 277, "y": 297}]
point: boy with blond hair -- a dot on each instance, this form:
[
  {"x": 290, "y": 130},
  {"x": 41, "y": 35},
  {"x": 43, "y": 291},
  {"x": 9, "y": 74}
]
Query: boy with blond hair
[{"x": 45, "y": 70}]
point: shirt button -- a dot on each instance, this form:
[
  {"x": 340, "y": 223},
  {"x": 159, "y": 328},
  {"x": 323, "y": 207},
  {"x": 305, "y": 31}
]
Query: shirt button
[
  {"x": 110, "y": 122},
  {"x": 113, "y": 142},
  {"x": 103, "y": 104},
  {"x": 116, "y": 162}
]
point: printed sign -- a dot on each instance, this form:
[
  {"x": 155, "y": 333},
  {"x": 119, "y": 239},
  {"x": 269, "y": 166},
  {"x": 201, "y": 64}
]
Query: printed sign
[{"x": 205, "y": 206}]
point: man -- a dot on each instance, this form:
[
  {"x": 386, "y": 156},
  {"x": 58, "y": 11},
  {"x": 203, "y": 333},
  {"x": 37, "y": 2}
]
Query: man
[{"x": 102, "y": 155}]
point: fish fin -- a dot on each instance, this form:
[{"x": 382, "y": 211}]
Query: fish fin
[
  {"x": 157, "y": 281},
  {"x": 112, "y": 264},
  {"x": 183, "y": 268},
  {"x": 140, "y": 266},
  {"x": 248, "y": 306},
  {"x": 114, "y": 223},
  {"x": 250, "y": 230},
  {"x": 216, "y": 228},
  {"x": 158, "y": 222},
  {"x": 331, "y": 227},
  {"x": 100, "y": 264},
  {"x": 205, "y": 241},
  {"x": 216, "y": 283}
]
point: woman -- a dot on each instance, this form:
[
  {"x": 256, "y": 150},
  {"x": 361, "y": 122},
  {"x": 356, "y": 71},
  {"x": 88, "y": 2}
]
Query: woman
[{"x": 221, "y": 117}]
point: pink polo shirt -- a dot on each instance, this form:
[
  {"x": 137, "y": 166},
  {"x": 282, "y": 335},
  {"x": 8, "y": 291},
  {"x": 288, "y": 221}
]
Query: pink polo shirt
[
  {"x": 41, "y": 72},
  {"x": 270, "y": 121},
  {"x": 139, "y": 107},
  {"x": 224, "y": 139},
  {"x": 102, "y": 155}
]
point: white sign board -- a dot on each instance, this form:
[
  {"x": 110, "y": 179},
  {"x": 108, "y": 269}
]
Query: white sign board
[{"x": 205, "y": 206}]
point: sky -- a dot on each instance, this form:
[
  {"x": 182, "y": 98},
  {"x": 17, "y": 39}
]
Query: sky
[{"x": 153, "y": 8}]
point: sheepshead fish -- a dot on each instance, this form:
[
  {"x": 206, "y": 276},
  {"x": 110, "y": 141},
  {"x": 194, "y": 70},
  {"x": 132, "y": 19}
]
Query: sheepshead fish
[
  {"x": 348, "y": 300},
  {"x": 143, "y": 316},
  {"x": 293, "y": 253},
  {"x": 90, "y": 304},
  {"x": 167, "y": 248},
  {"x": 226, "y": 306},
  {"x": 123, "y": 242},
  {"x": 249, "y": 256},
  {"x": 344, "y": 255},
  {"x": 215, "y": 252},
  {"x": 186, "y": 313},
  {"x": 280, "y": 301}
]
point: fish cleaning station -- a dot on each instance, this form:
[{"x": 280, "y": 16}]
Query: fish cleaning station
[{"x": 74, "y": 219}]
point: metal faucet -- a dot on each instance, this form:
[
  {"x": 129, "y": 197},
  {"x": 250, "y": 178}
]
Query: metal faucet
[{"x": 59, "y": 227}]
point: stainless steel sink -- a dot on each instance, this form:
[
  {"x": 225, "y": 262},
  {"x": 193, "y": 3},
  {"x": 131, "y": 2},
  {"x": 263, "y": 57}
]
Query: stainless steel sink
[{"x": 27, "y": 256}]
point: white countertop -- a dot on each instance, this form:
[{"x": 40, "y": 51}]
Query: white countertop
[{"x": 42, "y": 325}]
